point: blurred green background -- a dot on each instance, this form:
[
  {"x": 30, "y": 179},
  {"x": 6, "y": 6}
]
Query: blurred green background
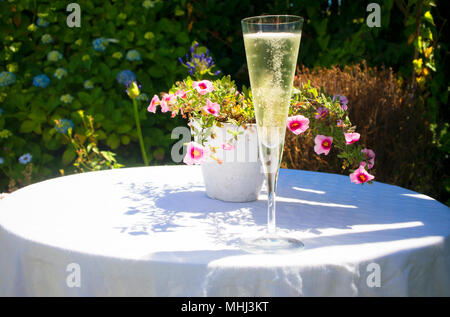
[{"x": 147, "y": 37}]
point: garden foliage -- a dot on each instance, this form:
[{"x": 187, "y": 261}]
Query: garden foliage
[
  {"x": 58, "y": 71},
  {"x": 49, "y": 71}
]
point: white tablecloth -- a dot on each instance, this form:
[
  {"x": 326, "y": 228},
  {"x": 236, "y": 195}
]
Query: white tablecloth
[{"x": 153, "y": 232}]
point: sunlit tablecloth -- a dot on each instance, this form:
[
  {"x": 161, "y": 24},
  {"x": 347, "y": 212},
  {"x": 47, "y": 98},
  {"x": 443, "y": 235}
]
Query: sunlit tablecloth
[{"x": 153, "y": 232}]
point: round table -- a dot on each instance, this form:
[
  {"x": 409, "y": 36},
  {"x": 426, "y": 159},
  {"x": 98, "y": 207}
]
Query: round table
[{"x": 152, "y": 231}]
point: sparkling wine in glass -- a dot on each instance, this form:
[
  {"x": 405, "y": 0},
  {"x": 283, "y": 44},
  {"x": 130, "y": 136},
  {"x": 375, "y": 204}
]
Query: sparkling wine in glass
[{"x": 271, "y": 46}]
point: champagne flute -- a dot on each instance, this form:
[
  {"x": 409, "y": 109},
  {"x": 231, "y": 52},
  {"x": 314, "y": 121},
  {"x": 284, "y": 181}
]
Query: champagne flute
[{"x": 271, "y": 44}]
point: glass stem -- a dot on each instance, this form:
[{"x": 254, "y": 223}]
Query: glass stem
[{"x": 271, "y": 199}]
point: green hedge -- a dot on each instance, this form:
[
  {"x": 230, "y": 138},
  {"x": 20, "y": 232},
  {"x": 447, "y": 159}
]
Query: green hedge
[{"x": 29, "y": 49}]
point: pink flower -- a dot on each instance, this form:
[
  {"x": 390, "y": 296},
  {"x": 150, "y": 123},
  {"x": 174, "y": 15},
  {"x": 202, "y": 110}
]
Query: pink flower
[
  {"x": 297, "y": 124},
  {"x": 370, "y": 155},
  {"x": 181, "y": 93},
  {"x": 323, "y": 144},
  {"x": 351, "y": 138},
  {"x": 167, "y": 99},
  {"x": 196, "y": 154},
  {"x": 360, "y": 176},
  {"x": 152, "y": 106},
  {"x": 227, "y": 146},
  {"x": 203, "y": 87},
  {"x": 212, "y": 108},
  {"x": 321, "y": 113}
]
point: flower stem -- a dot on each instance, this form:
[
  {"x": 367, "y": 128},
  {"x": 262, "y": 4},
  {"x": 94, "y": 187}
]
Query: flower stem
[
  {"x": 5, "y": 172},
  {"x": 139, "y": 132}
]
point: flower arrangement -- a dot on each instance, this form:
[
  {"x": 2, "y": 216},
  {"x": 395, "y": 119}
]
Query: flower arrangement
[
  {"x": 206, "y": 103},
  {"x": 327, "y": 118},
  {"x": 211, "y": 103}
]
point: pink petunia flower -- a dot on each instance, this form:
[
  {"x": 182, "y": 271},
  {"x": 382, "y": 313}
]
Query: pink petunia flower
[
  {"x": 167, "y": 99},
  {"x": 203, "y": 87},
  {"x": 196, "y": 154},
  {"x": 212, "y": 108},
  {"x": 321, "y": 113},
  {"x": 152, "y": 106},
  {"x": 227, "y": 146},
  {"x": 297, "y": 124},
  {"x": 181, "y": 93},
  {"x": 370, "y": 155},
  {"x": 323, "y": 144},
  {"x": 360, "y": 176},
  {"x": 351, "y": 138}
]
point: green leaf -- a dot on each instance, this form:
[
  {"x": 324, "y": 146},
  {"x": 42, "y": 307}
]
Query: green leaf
[
  {"x": 109, "y": 156},
  {"x": 84, "y": 97},
  {"x": 156, "y": 71},
  {"x": 68, "y": 156},
  {"x": 123, "y": 128},
  {"x": 428, "y": 17},
  {"x": 182, "y": 38},
  {"x": 125, "y": 139},
  {"x": 27, "y": 126},
  {"x": 38, "y": 115},
  {"x": 46, "y": 158},
  {"x": 113, "y": 141},
  {"x": 101, "y": 135},
  {"x": 178, "y": 12}
]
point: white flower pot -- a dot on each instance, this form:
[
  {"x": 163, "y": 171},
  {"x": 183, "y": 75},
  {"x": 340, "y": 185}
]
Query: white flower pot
[{"x": 239, "y": 178}]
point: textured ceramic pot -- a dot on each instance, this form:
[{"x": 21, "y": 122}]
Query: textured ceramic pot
[{"x": 239, "y": 178}]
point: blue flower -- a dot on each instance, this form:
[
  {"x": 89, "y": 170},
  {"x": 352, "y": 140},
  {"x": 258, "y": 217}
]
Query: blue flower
[
  {"x": 42, "y": 23},
  {"x": 25, "y": 159},
  {"x": 41, "y": 81},
  {"x": 100, "y": 44},
  {"x": 133, "y": 55},
  {"x": 54, "y": 56},
  {"x": 199, "y": 64},
  {"x": 60, "y": 73},
  {"x": 2, "y": 160},
  {"x": 125, "y": 77},
  {"x": 46, "y": 39},
  {"x": 7, "y": 78},
  {"x": 64, "y": 125},
  {"x": 88, "y": 84}
]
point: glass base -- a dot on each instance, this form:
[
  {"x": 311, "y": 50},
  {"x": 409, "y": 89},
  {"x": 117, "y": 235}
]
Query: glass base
[{"x": 271, "y": 244}]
